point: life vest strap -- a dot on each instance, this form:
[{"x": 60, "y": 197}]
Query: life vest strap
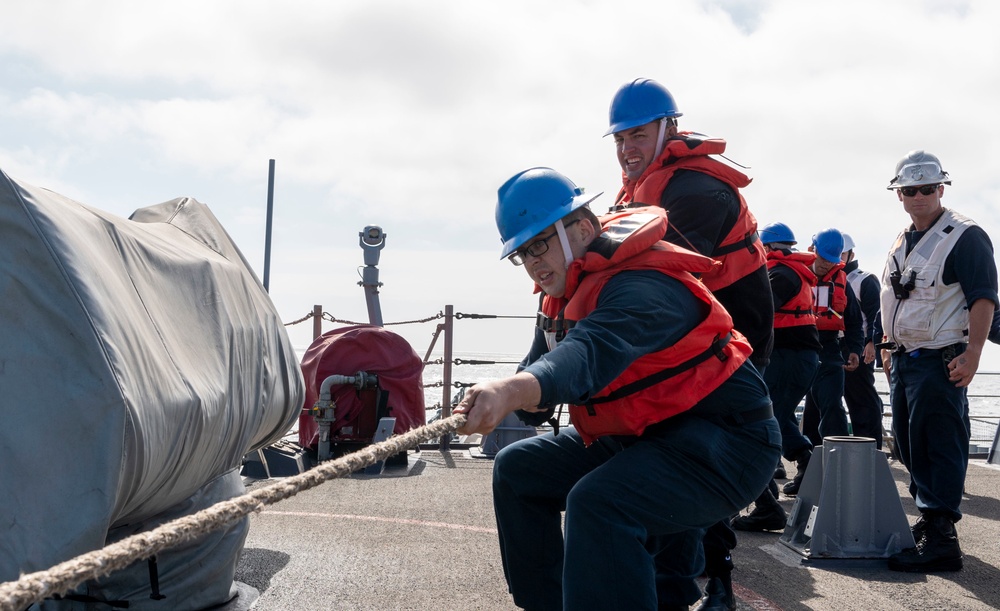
[
  {"x": 799, "y": 311},
  {"x": 747, "y": 242},
  {"x": 716, "y": 349},
  {"x": 559, "y": 325}
]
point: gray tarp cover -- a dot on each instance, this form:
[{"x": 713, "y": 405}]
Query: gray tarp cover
[{"x": 140, "y": 360}]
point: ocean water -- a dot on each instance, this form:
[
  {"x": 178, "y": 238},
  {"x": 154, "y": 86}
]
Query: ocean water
[
  {"x": 474, "y": 367},
  {"x": 470, "y": 368},
  {"x": 984, "y": 392}
]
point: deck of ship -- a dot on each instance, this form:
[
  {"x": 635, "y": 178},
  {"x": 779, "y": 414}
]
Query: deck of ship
[{"x": 423, "y": 537}]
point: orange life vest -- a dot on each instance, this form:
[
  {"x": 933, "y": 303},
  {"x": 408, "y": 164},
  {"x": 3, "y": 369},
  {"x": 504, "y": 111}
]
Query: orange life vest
[
  {"x": 662, "y": 384},
  {"x": 740, "y": 251},
  {"x": 797, "y": 311},
  {"x": 831, "y": 299}
]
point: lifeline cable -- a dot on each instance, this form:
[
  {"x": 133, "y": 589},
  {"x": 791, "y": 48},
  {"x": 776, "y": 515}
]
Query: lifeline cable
[{"x": 65, "y": 576}]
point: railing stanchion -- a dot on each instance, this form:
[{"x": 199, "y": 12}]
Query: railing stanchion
[
  {"x": 449, "y": 321},
  {"x": 317, "y": 321}
]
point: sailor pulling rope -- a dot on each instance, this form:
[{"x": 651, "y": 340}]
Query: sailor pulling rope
[{"x": 64, "y": 577}]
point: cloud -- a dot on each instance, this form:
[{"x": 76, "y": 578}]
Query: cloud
[{"x": 411, "y": 115}]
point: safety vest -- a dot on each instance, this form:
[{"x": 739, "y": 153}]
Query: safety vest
[
  {"x": 856, "y": 277},
  {"x": 934, "y": 314},
  {"x": 831, "y": 299},
  {"x": 740, "y": 251},
  {"x": 797, "y": 311},
  {"x": 661, "y": 384}
]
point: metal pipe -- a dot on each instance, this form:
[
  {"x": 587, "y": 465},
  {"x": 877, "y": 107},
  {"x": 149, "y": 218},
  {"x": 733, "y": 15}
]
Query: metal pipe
[
  {"x": 267, "y": 231},
  {"x": 317, "y": 321},
  {"x": 437, "y": 332},
  {"x": 324, "y": 409},
  {"x": 449, "y": 322},
  {"x": 360, "y": 380},
  {"x": 372, "y": 241}
]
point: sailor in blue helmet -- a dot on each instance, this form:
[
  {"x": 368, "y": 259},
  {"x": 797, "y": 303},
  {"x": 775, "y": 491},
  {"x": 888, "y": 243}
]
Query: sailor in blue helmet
[
  {"x": 794, "y": 361},
  {"x": 663, "y": 403},
  {"x": 681, "y": 172},
  {"x": 838, "y": 317},
  {"x": 939, "y": 292}
]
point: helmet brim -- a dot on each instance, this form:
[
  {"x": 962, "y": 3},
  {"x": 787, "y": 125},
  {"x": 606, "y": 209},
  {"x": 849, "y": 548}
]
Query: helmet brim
[
  {"x": 520, "y": 239},
  {"x": 918, "y": 174},
  {"x": 623, "y": 125}
]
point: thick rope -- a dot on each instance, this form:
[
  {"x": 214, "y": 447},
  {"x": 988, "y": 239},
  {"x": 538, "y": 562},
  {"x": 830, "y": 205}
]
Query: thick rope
[{"x": 66, "y": 576}]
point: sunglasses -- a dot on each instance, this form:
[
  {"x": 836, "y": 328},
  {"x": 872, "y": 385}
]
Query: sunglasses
[
  {"x": 537, "y": 248},
  {"x": 923, "y": 190}
]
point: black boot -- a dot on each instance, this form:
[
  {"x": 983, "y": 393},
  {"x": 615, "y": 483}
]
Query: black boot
[
  {"x": 936, "y": 551},
  {"x": 718, "y": 594},
  {"x": 779, "y": 471},
  {"x": 767, "y": 515},
  {"x": 801, "y": 462},
  {"x": 772, "y": 487},
  {"x": 919, "y": 528}
]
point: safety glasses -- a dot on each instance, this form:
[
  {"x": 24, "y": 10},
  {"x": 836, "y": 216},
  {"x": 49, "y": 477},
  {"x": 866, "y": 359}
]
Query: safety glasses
[
  {"x": 923, "y": 190},
  {"x": 537, "y": 248}
]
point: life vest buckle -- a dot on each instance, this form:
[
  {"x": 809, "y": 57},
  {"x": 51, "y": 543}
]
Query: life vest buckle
[{"x": 719, "y": 345}]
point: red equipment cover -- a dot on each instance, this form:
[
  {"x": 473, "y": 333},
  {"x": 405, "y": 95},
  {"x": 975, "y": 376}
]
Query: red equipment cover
[{"x": 371, "y": 349}]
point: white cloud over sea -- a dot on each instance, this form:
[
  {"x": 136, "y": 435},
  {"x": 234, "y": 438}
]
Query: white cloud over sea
[{"x": 410, "y": 115}]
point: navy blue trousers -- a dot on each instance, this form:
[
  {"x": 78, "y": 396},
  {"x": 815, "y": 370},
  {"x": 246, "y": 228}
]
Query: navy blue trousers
[
  {"x": 863, "y": 403},
  {"x": 788, "y": 377},
  {"x": 625, "y": 500},
  {"x": 930, "y": 423},
  {"x": 826, "y": 396}
]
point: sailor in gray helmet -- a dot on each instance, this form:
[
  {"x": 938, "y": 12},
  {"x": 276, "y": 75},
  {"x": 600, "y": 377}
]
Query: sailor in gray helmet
[{"x": 939, "y": 291}]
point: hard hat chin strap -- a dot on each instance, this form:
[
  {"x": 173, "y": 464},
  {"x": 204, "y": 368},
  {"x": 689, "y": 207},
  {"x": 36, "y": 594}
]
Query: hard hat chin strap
[
  {"x": 659, "y": 137},
  {"x": 564, "y": 241}
]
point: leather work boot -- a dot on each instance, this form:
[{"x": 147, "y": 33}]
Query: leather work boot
[
  {"x": 801, "y": 462},
  {"x": 779, "y": 471},
  {"x": 767, "y": 515},
  {"x": 718, "y": 595},
  {"x": 919, "y": 528},
  {"x": 936, "y": 551}
]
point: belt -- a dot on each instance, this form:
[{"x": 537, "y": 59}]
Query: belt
[{"x": 900, "y": 350}]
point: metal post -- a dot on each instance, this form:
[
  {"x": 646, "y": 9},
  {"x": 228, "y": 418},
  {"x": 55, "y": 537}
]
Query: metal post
[
  {"x": 848, "y": 505},
  {"x": 449, "y": 318},
  {"x": 372, "y": 241},
  {"x": 267, "y": 231},
  {"x": 317, "y": 321}
]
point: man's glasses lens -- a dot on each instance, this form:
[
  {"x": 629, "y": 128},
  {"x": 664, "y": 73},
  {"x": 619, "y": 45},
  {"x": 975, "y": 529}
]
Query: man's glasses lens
[
  {"x": 537, "y": 248},
  {"x": 924, "y": 190}
]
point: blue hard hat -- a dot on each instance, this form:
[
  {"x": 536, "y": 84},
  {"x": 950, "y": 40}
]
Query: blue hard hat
[
  {"x": 829, "y": 245},
  {"x": 777, "y": 232},
  {"x": 639, "y": 102},
  {"x": 532, "y": 200}
]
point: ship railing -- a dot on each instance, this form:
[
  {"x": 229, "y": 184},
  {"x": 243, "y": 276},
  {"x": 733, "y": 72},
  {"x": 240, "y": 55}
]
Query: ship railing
[
  {"x": 444, "y": 331},
  {"x": 983, "y": 427}
]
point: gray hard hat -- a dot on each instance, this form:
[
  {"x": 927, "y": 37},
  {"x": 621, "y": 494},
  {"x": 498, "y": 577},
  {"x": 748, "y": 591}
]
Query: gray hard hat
[{"x": 918, "y": 168}]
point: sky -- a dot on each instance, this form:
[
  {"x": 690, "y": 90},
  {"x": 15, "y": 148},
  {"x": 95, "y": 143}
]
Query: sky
[{"x": 410, "y": 115}]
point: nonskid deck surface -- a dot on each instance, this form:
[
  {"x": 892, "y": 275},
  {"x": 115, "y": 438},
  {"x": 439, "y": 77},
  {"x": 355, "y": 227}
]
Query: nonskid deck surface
[{"x": 423, "y": 538}]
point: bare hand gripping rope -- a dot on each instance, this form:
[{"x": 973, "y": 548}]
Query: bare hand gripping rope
[{"x": 64, "y": 577}]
